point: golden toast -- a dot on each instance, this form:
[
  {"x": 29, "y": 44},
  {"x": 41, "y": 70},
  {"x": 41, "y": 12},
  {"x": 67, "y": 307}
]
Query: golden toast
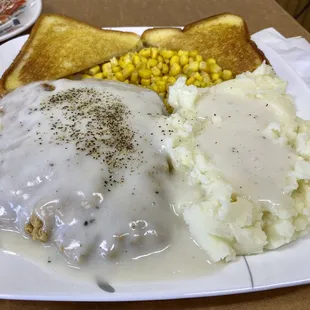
[
  {"x": 59, "y": 46},
  {"x": 224, "y": 37}
]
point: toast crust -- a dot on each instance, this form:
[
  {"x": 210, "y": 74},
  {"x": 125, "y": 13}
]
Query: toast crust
[{"x": 28, "y": 66}]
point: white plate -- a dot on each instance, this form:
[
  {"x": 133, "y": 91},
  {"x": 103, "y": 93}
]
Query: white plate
[
  {"x": 26, "y": 19},
  {"x": 287, "y": 266}
]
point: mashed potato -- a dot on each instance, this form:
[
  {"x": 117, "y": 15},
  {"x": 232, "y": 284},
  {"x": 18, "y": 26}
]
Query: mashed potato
[{"x": 241, "y": 144}]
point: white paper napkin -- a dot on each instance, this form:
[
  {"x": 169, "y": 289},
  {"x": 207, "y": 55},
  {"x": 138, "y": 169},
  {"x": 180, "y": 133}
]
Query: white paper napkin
[{"x": 290, "y": 58}]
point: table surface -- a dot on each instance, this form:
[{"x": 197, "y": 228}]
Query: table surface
[{"x": 259, "y": 14}]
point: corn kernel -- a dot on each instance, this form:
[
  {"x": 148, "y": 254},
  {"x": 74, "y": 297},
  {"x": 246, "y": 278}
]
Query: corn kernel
[
  {"x": 119, "y": 76},
  {"x": 203, "y": 84},
  {"x": 191, "y": 59},
  {"x": 145, "y": 73},
  {"x": 198, "y": 58},
  {"x": 156, "y": 71},
  {"x": 151, "y": 63},
  {"x": 180, "y": 53},
  {"x": 171, "y": 80},
  {"x": 141, "y": 66},
  {"x": 193, "y": 53},
  {"x": 145, "y": 82},
  {"x": 165, "y": 78},
  {"x": 136, "y": 60},
  {"x": 206, "y": 78},
  {"x": 155, "y": 79},
  {"x": 98, "y": 75},
  {"x": 154, "y": 52},
  {"x": 128, "y": 70},
  {"x": 126, "y": 81},
  {"x": 165, "y": 69},
  {"x": 175, "y": 69},
  {"x": 116, "y": 69},
  {"x": 167, "y": 61},
  {"x": 211, "y": 61},
  {"x": 218, "y": 81},
  {"x": 215, "y": 76},
  {"x": 107, "y": 67},
  {"x": 226, "y": 75},
  {"x": 113, "y": 78},
  {"x": 167, "y": 53},
  {"x": 193, "y": 67},
  {"x": 86, "y": 76},
  {"x": 146, "y": 52},
  {"x": 160, "y": 65},
  {"x": 214, "y": 68},
  {"x": 143, "y": 59},
  {"x": 160, "y": 58},
  {"x": 183, "y": 60},
  {"x": 94, "y": 70},
  {"x": 190, "y": 81},
  {"x": 197, "y": 83},
  {"x": 161, "y": 86},
  {"x": 122, "y": 63},
  {"x": 114, "y": 61},
  {"x": 155, "y": 88},
  {"x": 174, "y": 59},
  {"x": 134, "y": 77},
  {"x": 185, "y": 68},
  {"x": 197, "y": 76},
  {"x": 202, "y": 65}
]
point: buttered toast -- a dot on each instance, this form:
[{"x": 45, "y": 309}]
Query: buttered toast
[
  {"x": 59, "y": 46},
  {"x": 224, "y": 37}
]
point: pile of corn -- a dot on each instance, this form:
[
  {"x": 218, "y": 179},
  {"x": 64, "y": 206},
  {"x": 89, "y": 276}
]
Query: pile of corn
[{"x": 158, "y": 69}]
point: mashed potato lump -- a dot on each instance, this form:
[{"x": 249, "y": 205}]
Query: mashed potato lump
[{"x": 242, "y": 146}]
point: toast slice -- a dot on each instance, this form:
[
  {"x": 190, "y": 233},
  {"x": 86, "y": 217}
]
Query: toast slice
[
  {"x": 59, "y": 46},
  {"x": 224, "y": 37}
]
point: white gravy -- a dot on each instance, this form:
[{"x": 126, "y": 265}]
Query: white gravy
[
  {"x": 88, "y": 159},
  {"x": 235, "y": 142}
]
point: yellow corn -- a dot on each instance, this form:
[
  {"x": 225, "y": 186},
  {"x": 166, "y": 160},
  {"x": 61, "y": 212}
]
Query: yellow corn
[
  {"x": 114, "y": 61},
  {"x": 116, "y": 69},
  {"x": 161, "y": 86},
  {"x": 155, "y": 88},
  {"x": 106, "y": 67},
  {"x": 119, "y": 76},
  {"x": 193, "y": 67},
  {"x": 122, "y": 63},
  {"x": 185, "y": 68},
  {"x": 202, "y": 65},
  {"x": 167, "y": 61},
  {"x": 160, "y": 58},
  {"x": 151, "y": 63},
  {"x": 191, "y": 59},
  {"x": 226, "y": 75},
  {"x": 154, "y": 52},
  {"x": 198, "y": 58},
  {"x": 86, "y": 76},
  {"x": 165, "y": 69},
  {"x": 128, "y": 70},
  {"x": 98, "y": 75},
  {"x": 94, "y": 70},
  {"x": 160, "y": 65},
  {"x": 146, "y": 52},
  {"x": 218, "y": 81},
  {"x": 171, "y": 80},
  {"x": 174, "y": 59},
  {"x": 166, "y": 77},
  {"x": 197, "y": 76},
  {"x": 145, "y": 73},
  {"x": 136, "y": 60},
  {"x": 197, "y": 83},
  {"x": 145, "y": 82},
  {"x": 143, "y": 59},
  {"x": 141, "y": 66},
  {"x": 134, "y": 77},
  {"x": 203, "y": 84},
  {"x": 211, "y": 61},
  {"x": 190, "y": 81},
  {"x": 175, "y": 69},
  {"x": 126, "y": 81},
  {"x": 193, "y": 53},
  {"x": 156, "y": 71},
  {"x": 214, "y": 68},
  {"x": 167, "y": 53},
  {"x": 215, "y": 76},
  {"x": 183, "y": 60}
]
